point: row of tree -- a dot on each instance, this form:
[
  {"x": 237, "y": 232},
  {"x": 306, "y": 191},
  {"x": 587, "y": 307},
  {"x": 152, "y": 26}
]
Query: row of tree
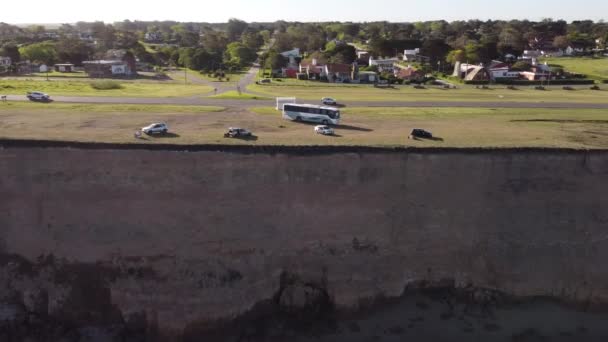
[{"x": 207, "y": 46}]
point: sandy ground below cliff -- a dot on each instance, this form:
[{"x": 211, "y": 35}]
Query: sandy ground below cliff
[{"x": 420, "y": 318}]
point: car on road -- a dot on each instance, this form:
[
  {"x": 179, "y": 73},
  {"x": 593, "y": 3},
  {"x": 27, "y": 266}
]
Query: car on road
[
  {"x": 328, "y": 101},
  {"x": 156, "y": 128},
  {"x": 324, "y": 129},
  {"x": 37, "y": 96},
  {"x": 420, "y": 133},
  {"x": 235, "y": 132}
]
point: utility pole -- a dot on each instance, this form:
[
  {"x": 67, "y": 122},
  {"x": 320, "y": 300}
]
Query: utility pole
[{"x": 185, "y": 75}]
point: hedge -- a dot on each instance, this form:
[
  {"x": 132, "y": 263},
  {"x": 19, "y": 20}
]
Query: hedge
[{"x": 555, "y": 82}]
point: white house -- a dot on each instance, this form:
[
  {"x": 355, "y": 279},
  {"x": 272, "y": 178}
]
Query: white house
[
  {"x": 384, "y": 65},
  {"x": 292, "y": 55},
  {"x": 411, "y": 55},
  {"x": 499, "y": 69}
]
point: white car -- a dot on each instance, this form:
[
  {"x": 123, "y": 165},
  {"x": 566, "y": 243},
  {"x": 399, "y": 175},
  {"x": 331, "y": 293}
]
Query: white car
[
  {"x": 325, "y": 130},
  {"x": 37, "y": 96},
  {"x": 328, "y": 101},
  {"x": 155, "y": 128}
]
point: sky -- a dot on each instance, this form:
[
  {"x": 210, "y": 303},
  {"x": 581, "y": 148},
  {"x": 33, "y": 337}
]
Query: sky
[{"x": 70, "y": 11}]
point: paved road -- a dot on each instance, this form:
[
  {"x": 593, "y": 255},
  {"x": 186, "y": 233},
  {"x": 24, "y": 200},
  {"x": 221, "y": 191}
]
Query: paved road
[{"x": 241, "y": 104}]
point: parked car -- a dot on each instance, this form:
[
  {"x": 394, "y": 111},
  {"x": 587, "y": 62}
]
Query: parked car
[
  {"x": 325, "y": 130},
  {"x": 37, "y": 96},
  {"x": 156, "y": 128},
  {"x": 328, "y": 101},
  {"x": 420, "y": 133},
  {"x": 234, "y": 132}
]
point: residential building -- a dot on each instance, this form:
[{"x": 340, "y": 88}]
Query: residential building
[
  {"x": 108, "y": 68},
  {"x": 153, "y": 37},
  {"x": 536, "y": 75},
  {"x": 293, "y": 56},
  {"x": 367, "y": 77},
  {"x": 338, "y": 72},
  {"x": 5, "y": 61},
  {"x": 408, "y": 73},
  {"x": 64, "y": 67},
  {"x": 384, "y": 65},
  {"x": 313, "y": 69},
  {"x": 501, "y": 70},
  {"x": 411, "y": 55},
  {"x": 292, "y": 68},
  {"x": 472, "y": 72}
]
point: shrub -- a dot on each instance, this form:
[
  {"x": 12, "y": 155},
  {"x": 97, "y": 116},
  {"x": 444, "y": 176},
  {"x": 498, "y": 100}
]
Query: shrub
[
  {"x": 106, "y": 85},
  {"x": 553, "y": 82}
]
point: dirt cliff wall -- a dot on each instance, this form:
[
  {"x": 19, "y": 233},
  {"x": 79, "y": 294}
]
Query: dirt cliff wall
[{"x": 172, "y": 240}]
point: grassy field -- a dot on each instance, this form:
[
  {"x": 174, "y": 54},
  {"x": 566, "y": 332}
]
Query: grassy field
[
  {"x": 106, "y": 108},
  {"x": 316, "y": 91},
  {"x": 453, "y": 127},
  {"x": 594, "y": 68},
  {"x": 234, "y": 95},
  {"x": 54, "y": 74},
  {"x": 83, "y": 88}
]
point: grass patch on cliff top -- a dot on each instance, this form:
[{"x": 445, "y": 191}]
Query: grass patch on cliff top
[
  {"x": 25, "y": 108},
  {"x": 594, "y": 68},
  {"x": 85, "y": 88},
  {"x": 496, "y": 94},
  {"x": 453, "y": 127}
]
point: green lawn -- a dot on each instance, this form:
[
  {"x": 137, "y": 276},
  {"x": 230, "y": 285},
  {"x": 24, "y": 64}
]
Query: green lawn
[
  {"x": 106, "y": 108},
  {"x": 453, "y": 127},
  {"x": 594, "y": 68},
  {"x": 55, "y": 74},
  {"x": 234, "y": 95},
  {"x": 83, "y": 88},
  {"x": 315, "y": 91}
]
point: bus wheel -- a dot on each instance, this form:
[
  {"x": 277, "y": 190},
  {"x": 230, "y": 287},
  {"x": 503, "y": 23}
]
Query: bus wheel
[{"x": 298, "y": 118}]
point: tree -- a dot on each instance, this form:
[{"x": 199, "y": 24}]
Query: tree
[
  {"x": 235, "y": 29},
  {"x": 12, "y": 51},
  {"x": 455, "y": 56},
  {"x": 73, "y": 50},
  {"x": 435, "y": 50},
  {"x": 44, "y": 52},
  {"x": 561, "y": 42},
  {"x": 253, "y": 40},
  {"x": 472, "y": 52},
  {"x": 274, "y": 60},
  {"x": 345, "y": 54},
  {"x": 239, "y": 55},
  {"x": 521, "y": 66},
  {"x": 126, "y": 40}
]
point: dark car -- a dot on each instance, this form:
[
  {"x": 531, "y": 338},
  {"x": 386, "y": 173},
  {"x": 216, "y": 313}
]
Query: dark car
[{"x": 420, "y": 133}]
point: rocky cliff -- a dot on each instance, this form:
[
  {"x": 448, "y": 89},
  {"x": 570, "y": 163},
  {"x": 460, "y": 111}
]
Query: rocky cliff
[{"x": 174, "y": 243}]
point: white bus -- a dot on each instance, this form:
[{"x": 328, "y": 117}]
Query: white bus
[{"x": 312, "y": 113}]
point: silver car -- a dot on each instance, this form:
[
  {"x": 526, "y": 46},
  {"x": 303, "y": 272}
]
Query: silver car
[
  {"x": 155, "y": 128},
  {"x": 325, "y": 130}
]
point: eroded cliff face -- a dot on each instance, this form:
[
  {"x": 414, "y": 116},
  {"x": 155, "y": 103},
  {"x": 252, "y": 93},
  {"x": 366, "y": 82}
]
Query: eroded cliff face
[{"x": 158, "y": 243}]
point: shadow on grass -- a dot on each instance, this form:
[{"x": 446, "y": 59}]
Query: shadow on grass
[
  {"x": 428, "y": 139},
  {"x": 249, "y": 138},
  {"x": 563, "y": 121},
  {"x": 354, "y": 128},
  {"x": 169, "y": 135},
  {"x": 344, "y": 127}
]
